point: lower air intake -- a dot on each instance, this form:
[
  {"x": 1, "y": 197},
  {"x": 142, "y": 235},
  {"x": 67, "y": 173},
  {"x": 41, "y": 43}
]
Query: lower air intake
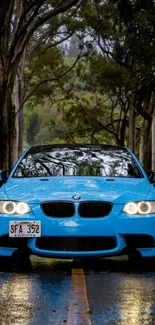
[
  {"x": 76, "y": 244},
  {"x": 139, "y": 241}
]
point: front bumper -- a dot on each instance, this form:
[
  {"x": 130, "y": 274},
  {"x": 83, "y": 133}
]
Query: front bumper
[{"x": 123, "y": 233}]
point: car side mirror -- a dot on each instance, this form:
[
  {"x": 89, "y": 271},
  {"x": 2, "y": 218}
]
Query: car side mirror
[{"x": 151, "y": 176}]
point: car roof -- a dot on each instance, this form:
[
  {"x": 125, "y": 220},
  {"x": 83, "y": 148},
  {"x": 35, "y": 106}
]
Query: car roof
[{"x": 49, "y": 147}]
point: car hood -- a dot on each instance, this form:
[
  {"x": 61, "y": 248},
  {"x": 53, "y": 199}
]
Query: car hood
[{"x": 34, "y": 190}]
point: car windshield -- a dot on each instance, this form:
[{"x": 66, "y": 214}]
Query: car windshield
[{"x": 80, "y": 161}]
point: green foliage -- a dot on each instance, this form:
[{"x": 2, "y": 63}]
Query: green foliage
[
  {"x": 99, "y": 16},
  {"x": 91, "y": 103},
  {"x": 105, "y": 75},
  {"x": 86, "y": 116},
  {"x": 44, "y": 65},
  {"x": 32, "y": 128},
  {"x": 46, "y": 121},
  {"x": 83, "y": 106},
  {"x": 135, "y": 45}
]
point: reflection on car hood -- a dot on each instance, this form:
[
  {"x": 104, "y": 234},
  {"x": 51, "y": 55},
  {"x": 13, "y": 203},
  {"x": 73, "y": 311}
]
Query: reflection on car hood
[{"x": 118, "y": 190}]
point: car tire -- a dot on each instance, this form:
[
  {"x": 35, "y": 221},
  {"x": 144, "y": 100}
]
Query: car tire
[
  {"x": 6, "y": 263},
  {"x": 135, "y": 258},
  {"x": 21, "y": 261}
]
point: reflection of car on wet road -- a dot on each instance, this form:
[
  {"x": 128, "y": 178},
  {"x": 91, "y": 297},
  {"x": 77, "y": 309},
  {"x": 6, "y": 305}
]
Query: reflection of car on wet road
[{"x": 77, "y": 201}]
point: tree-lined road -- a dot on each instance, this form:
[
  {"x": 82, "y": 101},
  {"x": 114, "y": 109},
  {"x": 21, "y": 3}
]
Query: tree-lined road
[{"x": 110, "y": 291}]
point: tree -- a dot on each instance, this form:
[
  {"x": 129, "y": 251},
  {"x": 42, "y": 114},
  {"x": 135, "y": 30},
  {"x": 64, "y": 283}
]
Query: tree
[
  {"x": 32, "y": 128},
  {"x": 138, "y": 51},
  {"x": 22, "y": 19},
  {"x": 4, "y": 7},
  {"x": 104, "y": 76},
  {"x": 87, "y": 117},
  {"x": 48, "y": 123},
  {"x": 124, "y": 30}
]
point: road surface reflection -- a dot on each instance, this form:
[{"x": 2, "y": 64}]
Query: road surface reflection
[{"x": 117, "y": 293}]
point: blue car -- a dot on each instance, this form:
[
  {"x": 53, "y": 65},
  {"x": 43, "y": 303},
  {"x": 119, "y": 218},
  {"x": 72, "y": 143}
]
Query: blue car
[{"x": 77, "y": 201}]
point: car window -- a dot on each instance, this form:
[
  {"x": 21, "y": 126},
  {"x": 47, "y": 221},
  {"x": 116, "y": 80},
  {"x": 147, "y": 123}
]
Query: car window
[{"x": 78, "y": 162}]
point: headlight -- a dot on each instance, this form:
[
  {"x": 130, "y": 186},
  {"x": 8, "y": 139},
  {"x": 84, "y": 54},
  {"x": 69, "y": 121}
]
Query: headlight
[
  {"x": 9, "y": 207},
  {"x": 130, "y": 208},
  {"x": 142, "y": 207},
  {"x": 22, "y": 208},
  {"x": 13, "y": 207}
]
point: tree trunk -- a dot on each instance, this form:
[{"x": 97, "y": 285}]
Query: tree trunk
[
  {"x": 7, "y": 128},
  {"x": 20, "y": 99},
  {"x": 123, "y": 130},
  {"x": 141, "y": 152},
  {"x": 20, "y": 137},
  {"x": 145, "y": 145},
  {"x": 147, "y": 138},
  {"x": 4, "y": 132},
  {"x": 132, "y": 131},
  {"x": 153, "y": 141},
  {"x": 18, "y": 118}
]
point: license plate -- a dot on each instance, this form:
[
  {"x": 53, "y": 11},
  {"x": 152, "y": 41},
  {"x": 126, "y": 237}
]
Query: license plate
[{"x": 24, "y": 229}]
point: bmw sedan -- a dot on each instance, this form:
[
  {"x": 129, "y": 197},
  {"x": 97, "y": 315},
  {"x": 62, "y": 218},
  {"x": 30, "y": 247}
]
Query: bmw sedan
[{"x": 77, "y": 201}]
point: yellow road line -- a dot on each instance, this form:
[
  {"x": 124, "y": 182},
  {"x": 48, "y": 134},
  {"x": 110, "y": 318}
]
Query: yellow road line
[{"x": 79, "y": 313}]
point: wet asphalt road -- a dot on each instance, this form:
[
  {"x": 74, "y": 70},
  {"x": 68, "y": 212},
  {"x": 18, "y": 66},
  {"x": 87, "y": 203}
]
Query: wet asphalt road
[{"x": 109, "y": 291}]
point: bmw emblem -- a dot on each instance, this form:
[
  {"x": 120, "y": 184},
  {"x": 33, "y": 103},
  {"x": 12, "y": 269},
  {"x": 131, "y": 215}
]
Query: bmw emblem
[{"x": 76, "y": 197}]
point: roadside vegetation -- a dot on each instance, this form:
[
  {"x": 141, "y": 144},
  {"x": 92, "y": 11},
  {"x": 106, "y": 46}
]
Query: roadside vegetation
[{"x": 80, "y": 71}]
